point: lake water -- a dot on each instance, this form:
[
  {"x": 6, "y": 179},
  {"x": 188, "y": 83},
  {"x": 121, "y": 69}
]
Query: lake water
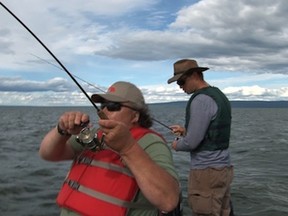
[{"x": 259, "y": 146}]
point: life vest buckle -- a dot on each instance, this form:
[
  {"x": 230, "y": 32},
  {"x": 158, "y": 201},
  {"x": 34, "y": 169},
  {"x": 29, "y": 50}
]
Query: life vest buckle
[
  {"x": 84, "y": 160},
  {"x": 73, "y": 184}
]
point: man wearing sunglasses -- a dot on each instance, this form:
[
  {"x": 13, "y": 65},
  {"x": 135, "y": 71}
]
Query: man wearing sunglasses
[
  {"x": 130, "y": 172},
  {"x": 206, "y": 136}
]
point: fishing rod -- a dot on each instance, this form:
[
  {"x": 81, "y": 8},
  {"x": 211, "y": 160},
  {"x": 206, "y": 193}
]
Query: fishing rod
[
  {"x": 100, "y": 113},
  {"x": 44, "y": 60},
  {"x": 164, "y": 125},
  {"x": 48, "y": 62}
]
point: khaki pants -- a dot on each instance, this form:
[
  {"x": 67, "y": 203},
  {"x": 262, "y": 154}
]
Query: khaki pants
[{"x": 209, "y": 191}]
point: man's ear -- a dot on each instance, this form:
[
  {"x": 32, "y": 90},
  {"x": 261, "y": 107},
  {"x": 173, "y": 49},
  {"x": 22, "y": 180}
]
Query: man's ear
[{"x": 136, "y": 116}]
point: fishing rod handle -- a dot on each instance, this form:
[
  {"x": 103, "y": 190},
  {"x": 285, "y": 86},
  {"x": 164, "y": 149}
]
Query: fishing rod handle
[{"x": 102, "y": 115}]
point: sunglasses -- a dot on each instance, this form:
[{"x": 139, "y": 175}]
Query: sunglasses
[
  {"x": 112, "y": 106},
  {"x": 181, "y": 81}
]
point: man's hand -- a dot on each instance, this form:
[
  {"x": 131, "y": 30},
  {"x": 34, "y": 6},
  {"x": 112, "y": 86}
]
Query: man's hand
[
  {"x": 73, "y": 122},
  {"x": 117, "y": 135},
  {"x": 178, "y": 130}
]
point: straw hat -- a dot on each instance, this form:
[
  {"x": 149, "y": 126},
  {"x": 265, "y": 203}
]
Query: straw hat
[{"x": 183, "y": 66}]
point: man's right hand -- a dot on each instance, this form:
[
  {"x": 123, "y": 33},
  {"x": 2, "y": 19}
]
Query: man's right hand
[
  {"x": 178, "y": 130},
  {"x": 73, "y": 122}
]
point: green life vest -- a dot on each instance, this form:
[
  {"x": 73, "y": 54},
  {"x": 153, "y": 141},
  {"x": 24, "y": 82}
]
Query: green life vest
[{"x": 218, "y": 133}]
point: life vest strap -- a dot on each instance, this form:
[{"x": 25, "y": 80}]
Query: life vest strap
[
  {"x": 104, "y": 197},
  {"x": 110, "y": 166}
]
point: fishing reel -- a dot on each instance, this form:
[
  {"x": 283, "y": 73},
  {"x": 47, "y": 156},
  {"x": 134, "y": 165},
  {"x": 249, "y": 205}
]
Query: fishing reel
[{"x": 89, "y": 140}]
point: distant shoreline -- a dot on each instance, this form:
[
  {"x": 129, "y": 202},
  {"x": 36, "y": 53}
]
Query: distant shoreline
[
  {"x": 234, "y": 104},
  {"x": 241, "y": 104},
  {"x": 259, "y": 104}
]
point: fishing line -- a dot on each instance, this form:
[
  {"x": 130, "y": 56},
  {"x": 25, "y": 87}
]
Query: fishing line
[
  {"x": 99, "y": 112},
  {"x": 48, "y": 62}
]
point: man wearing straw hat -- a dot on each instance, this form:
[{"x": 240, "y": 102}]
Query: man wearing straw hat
[{"x": 206, "y": 136}]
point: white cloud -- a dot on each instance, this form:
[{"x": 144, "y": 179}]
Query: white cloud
[
  {"x": 152, "y": 94},
  {"x": 256, "y": 93},
  {"x": 111, "y": 40},
  {"x": 235, "y": 36}
]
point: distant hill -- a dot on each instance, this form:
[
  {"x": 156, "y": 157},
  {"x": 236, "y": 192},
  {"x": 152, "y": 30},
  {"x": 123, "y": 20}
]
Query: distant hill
[
  {"x": 238, "y": 104},
  {"x": 259, "y": 104},
  {"x": 181, "y": 104}
]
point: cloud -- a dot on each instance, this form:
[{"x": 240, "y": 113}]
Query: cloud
[
  {"x": 17, "y": 84},
  {"x": 117, "y": 38},
  {"x": 227, "y": 35},
  {"x": 256, "y": 93},
  {"x": 55, "y": 94}
]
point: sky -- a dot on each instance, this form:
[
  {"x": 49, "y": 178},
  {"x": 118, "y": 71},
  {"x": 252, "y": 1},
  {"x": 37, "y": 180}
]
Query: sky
[{"x": 243, "y": 42}]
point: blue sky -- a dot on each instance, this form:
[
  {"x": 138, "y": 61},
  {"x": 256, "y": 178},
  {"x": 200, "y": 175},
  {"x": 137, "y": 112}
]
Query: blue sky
[{"x": 244, "y": 43}]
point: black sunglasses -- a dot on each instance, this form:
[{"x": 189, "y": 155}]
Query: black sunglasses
[
  {"x": 113, "y": 106},
  {"x": 181, "y": 81}
]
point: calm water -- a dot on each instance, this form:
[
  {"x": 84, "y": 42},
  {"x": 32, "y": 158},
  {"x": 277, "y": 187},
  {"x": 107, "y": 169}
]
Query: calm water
[{"x": 259, "y": 146}]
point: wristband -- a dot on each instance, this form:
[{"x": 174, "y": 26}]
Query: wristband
[{"x": 62, "y": 132}]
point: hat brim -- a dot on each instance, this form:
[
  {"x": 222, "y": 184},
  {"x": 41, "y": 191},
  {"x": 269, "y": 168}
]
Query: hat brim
[
  {"x": 177, "y": 76},
  {"x": 99, "y": 98}
]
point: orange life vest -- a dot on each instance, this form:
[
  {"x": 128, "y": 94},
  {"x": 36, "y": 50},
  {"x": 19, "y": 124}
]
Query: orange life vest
[{"x": 100, "y": 184}]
